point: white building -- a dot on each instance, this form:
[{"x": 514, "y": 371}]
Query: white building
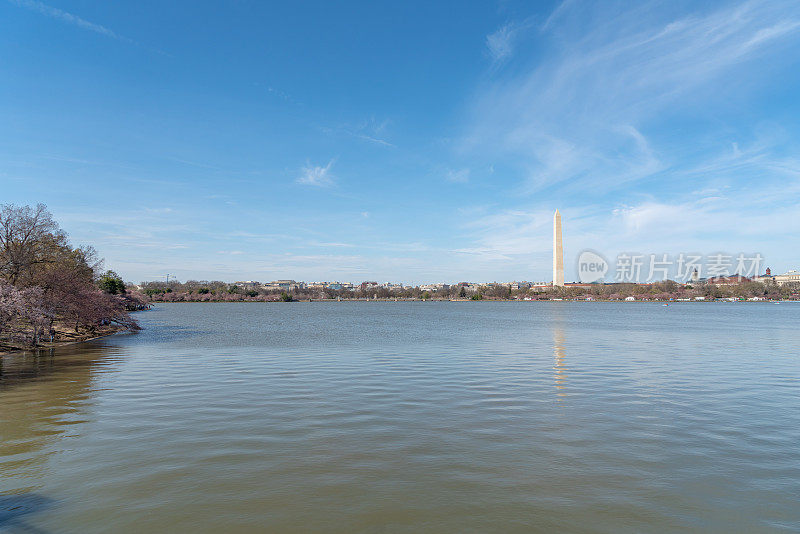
[
  {"x": 433, "y": 287},
  {"x": 392, "y": 287},
  {"x": 791, "y": 277},
  {"x": 284, "y": 285}
]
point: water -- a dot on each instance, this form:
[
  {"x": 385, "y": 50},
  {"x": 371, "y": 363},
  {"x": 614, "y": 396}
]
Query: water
[{"x": 411, "y": 417}]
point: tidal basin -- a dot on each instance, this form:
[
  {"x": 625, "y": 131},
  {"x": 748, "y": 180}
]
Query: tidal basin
[{"x": 411, "y": 417}]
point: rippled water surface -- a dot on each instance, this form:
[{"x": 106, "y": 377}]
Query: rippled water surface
[{"x": 411, "y": 417}]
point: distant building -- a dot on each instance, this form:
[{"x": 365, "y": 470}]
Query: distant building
[
  {"x": 248, "y": 284},
  {"x": 434, "y": 287},
  {"x": 728, "y": 280},
  {"x": 392, "y": 287},
  {"x": 791, "y": 277},
  {"x": 766, "y": 278},
  {"x": 284, "y": 285},
  {"x": 540, "y": 287}
]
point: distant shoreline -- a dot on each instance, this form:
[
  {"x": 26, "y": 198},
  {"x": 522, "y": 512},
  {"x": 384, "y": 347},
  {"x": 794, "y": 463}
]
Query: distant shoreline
[{"x": 640, "y": 301}]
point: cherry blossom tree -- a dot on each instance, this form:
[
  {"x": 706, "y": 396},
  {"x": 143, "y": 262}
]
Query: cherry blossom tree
[{"x": 44, "y": 280}]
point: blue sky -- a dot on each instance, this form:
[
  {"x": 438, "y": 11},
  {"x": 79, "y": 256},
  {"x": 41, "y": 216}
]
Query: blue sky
[{"x": 411, "y": 141}]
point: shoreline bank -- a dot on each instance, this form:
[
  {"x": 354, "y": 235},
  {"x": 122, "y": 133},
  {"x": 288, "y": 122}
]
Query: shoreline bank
[{"x": 14, "y": 349}]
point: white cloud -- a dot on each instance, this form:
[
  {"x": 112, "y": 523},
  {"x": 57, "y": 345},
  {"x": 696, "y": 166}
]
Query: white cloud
[
  {"x": 581, "y": 117},
  {"x": 316, "y": 176},
  {"x": 509, "y": 233},
  {"x": 754, "y": 219},
  {"x": 501, "y": 43},
  {"x": 460, "y": 176},
  {"x": 330, "y": 244}
]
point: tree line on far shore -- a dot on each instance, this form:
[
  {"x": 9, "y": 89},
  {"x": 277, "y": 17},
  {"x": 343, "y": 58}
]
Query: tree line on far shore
[
  {"x": 50, "y": 290},
  {"x": 217, "y": 291}
]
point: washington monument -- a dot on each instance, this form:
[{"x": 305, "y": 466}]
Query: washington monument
[{"x": 558, "y": 252}]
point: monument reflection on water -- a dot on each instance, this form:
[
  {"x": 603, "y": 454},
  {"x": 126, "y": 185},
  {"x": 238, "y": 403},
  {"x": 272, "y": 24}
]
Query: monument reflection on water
[{"x": 559, "y": 355}]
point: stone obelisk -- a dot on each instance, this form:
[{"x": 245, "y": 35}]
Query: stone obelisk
[{"x": 558, "y": 252}]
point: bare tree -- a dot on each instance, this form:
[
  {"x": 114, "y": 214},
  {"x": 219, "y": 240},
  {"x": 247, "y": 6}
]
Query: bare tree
[
  {"x": 43, "y": 279},
  {"x": 28, "y": 237}
]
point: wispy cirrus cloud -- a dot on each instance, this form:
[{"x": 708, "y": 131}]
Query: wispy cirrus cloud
[
  {"x": 588, "y": 114},
  {"x": 702, "y": 222},
  {"x": 637, "y": 123},
  {"x": 370, "y": 130},
  {"x": 460, "y": 176},
  {"x": 69, "y": 18},
  {"x": 316, "y": 175},
  {"x": 556, "y": 14},
  {"x": 274, "y": 91},
  {"x": 502, "y": 42},
  {"x": 330, "y": 244},
  {"x": 75, "y": 20}
]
